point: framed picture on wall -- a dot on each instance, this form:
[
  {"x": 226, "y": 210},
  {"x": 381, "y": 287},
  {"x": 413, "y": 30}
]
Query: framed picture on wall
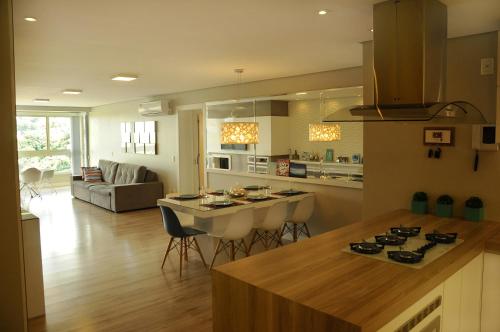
[{"x": 439, "y": 136}]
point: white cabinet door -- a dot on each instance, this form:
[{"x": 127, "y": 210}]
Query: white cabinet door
[
  {"x": 490, "y": 313},
  {"x": 462, "y": 298},
  {"x": 472, "y": 287}
]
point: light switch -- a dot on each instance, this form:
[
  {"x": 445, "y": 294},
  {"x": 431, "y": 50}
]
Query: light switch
[{"x": 487, "y": 66}]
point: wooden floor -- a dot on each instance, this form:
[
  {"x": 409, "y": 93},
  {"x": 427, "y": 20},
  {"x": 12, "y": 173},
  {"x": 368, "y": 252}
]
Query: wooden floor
[{"x": 102, "y": 272}]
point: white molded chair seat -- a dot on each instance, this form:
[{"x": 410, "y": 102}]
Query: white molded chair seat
[
  {"x": 269, "y": 230},
  {"x": 239, "y": 225},
  {"x": 30, "y": 179},
  {"x": 302, "y": 213}
]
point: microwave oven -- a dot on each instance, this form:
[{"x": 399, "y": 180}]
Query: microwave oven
[{"x": 220, "y": 161}]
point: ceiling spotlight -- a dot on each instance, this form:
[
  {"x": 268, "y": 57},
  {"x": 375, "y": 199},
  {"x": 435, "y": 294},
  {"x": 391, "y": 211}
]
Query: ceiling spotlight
[
  {"x": 371, "y": 29},
  {"x": 322, "y": 12},
  {"x": 301, "y": 93},
  {"x": 71, "y": 92},
  {"x": 124, "y": 77},
  {"x": 30, "y": 19},
  {"x": 41, "y": 100}
]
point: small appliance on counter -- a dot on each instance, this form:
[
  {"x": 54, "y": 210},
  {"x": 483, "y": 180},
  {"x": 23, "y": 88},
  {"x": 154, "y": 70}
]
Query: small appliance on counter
[
  {"x": 219, "y": 161},
  {"x": 298, "y": 170}
]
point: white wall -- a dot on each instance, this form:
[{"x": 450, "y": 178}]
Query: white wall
[
  {"x": 105, "y": 140},
  {"x": 396, "y": 163}
]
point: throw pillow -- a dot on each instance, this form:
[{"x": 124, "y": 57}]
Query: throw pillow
[{"x": 92, "y": 174}]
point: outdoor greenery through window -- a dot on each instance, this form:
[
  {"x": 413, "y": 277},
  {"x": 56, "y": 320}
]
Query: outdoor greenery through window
[{"x": 44, "y": 142}]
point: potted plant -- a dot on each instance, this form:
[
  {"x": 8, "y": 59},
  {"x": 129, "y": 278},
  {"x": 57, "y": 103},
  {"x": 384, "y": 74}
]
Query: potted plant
[
  {"x": 444, "y": 206},
  {"x": 474, "y": 209},
  {"x": 419, "y": 203}
]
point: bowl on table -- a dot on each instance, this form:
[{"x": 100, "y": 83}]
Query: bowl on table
[{"x": 256, "y": 196}]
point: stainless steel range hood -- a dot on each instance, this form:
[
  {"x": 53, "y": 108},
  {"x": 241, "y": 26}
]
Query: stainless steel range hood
[{"x": 409, "y": 57}]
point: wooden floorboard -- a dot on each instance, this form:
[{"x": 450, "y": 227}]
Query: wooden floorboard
[{"x": 102, "y": 272}]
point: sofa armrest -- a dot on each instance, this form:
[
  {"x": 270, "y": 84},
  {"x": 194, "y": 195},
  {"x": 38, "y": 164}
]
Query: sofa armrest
[{"x": 136, "y": 195}]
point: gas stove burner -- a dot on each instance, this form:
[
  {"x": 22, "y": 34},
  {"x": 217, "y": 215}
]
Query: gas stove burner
[
  {"x": 410, "y": 257},
  {"x": 405, "y": 231},
  {"x": 390, "y": 239},
  {"x": 367, "y": 247},
  {"x": 441, "y": 237},
  {"x": 426, "y": 247}
]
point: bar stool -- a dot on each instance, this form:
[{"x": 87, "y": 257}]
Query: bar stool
[
  {"x": 297, "y": 224},
  {"x": 181, "y": 238},
  {"x": 239, "y": 226},
  {"x": 269, "y": 230}
]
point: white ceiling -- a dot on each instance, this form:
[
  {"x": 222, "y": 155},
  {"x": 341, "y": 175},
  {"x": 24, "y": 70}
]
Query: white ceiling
[{"x": 192, "y": 44}]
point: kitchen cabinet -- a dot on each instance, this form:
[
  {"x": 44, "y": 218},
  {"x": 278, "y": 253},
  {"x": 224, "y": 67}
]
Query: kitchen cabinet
[
  {"x": 490, "y": 313},
  {"x": 35, "y": 299},
  {"x": 453, "y": 306}
]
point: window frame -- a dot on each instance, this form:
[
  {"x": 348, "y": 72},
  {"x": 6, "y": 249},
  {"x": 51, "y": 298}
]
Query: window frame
[{"x": 48, "y": 151}]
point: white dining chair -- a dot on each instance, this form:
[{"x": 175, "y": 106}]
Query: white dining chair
[
  {"x": 297, "y": 224},
  {"x": 30, "y": 179},
  {"x": 232, "y": 240},
  {"x": 268, "y": 231},
  {"x": 46, "y": 179}
]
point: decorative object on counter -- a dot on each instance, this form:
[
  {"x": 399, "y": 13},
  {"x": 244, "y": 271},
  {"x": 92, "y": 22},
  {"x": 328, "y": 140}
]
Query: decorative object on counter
[
  {"x": 439, "y": 136},
  {"x": 239, "y": 133},
  {"x": 298, "y": 170},
  {"x": 323, "y": 132},
  {"x": 329, "y": 155},
  {"x": 474, "y": 209},
  {"x": 237, "y": 191},
  {"x": 295, "y": 156},
  {"x": 283, "y": 167},
  {"x": 343, "y": 159},
  {"x": 356, "y": 158},
  {"x": 304, "y": 156},
  {"x": 419, "y": 203},
  {"x": 444, "y": 206}
]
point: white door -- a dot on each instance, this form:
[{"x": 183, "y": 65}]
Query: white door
[{"x": 189, "y": 151}]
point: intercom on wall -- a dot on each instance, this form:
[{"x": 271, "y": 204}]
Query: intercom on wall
[{"x": 484, "y": 138}]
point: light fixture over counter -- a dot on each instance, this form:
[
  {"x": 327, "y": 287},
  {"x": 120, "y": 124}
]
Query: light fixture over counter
[
  {"x": 239, "y": 133},
  {"x": 324, "y": 132}
]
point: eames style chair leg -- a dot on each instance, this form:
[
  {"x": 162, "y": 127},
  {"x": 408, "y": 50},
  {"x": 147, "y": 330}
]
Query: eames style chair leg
[
  {"x": 307, "y": 230},
  {"x": 296, "y": 230},
  {"x": 217, "y": 251},
  {"x": 181, "y": 250},
  {"x": 199, "y": 251},
  {"x": 231, "y": 248},
  {"x": 267, "y": 238},
  {"x": 167, "y": 251}
]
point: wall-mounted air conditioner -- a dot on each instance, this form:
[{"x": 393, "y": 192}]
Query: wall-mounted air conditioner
[{"x": 155, "y": 108}]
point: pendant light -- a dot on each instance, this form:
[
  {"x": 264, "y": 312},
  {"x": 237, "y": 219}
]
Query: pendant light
[
  {"x": 321, "y": 131},
  {"x": 239, "y": 132}
]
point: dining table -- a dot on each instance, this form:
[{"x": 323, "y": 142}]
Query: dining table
[{"x": 199, "y": 211}]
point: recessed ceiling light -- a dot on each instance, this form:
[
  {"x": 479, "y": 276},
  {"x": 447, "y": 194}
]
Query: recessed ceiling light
[
  {"x": 30, "y": 19},
  {"x": 41, "y": 100},
  {"x": 371, "y": 29},
  {"x": 124, "y": 77},
  {"x": 322, "y": 12},
  {"x": 301, "y": 93},
  {"x": 71, "y": 92}
]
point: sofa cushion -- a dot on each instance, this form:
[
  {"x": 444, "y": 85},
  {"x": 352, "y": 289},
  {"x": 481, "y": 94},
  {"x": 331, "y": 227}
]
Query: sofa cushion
[
  {"x": 108, "y": 169},
  {"x": 128, "y": 173},
  {"x": 151, "y": 176},
  {"x": 87, "y": 185}
]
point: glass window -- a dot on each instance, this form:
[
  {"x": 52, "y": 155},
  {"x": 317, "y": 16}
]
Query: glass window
[
  {"x": 60, "y": 133},
  {"x": 31, "y": 133},
  {"x": 44, "y": 142}
]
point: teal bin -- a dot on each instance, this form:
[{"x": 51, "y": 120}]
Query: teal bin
[
  {"x": 419, "y": 207},
  {"x": 444, "y": 210},
  {"x": 473, "y": 214}
]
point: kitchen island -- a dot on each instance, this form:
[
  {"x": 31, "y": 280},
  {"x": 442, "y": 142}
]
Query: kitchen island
[{"x": 313, "y": 285}]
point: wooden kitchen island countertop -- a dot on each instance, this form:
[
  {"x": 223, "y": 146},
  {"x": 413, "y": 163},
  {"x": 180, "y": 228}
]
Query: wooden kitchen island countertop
[{"x": 313, "y": 286}]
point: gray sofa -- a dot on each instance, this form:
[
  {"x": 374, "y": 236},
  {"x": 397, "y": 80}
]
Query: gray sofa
[{"x": 124, "y": 187}]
